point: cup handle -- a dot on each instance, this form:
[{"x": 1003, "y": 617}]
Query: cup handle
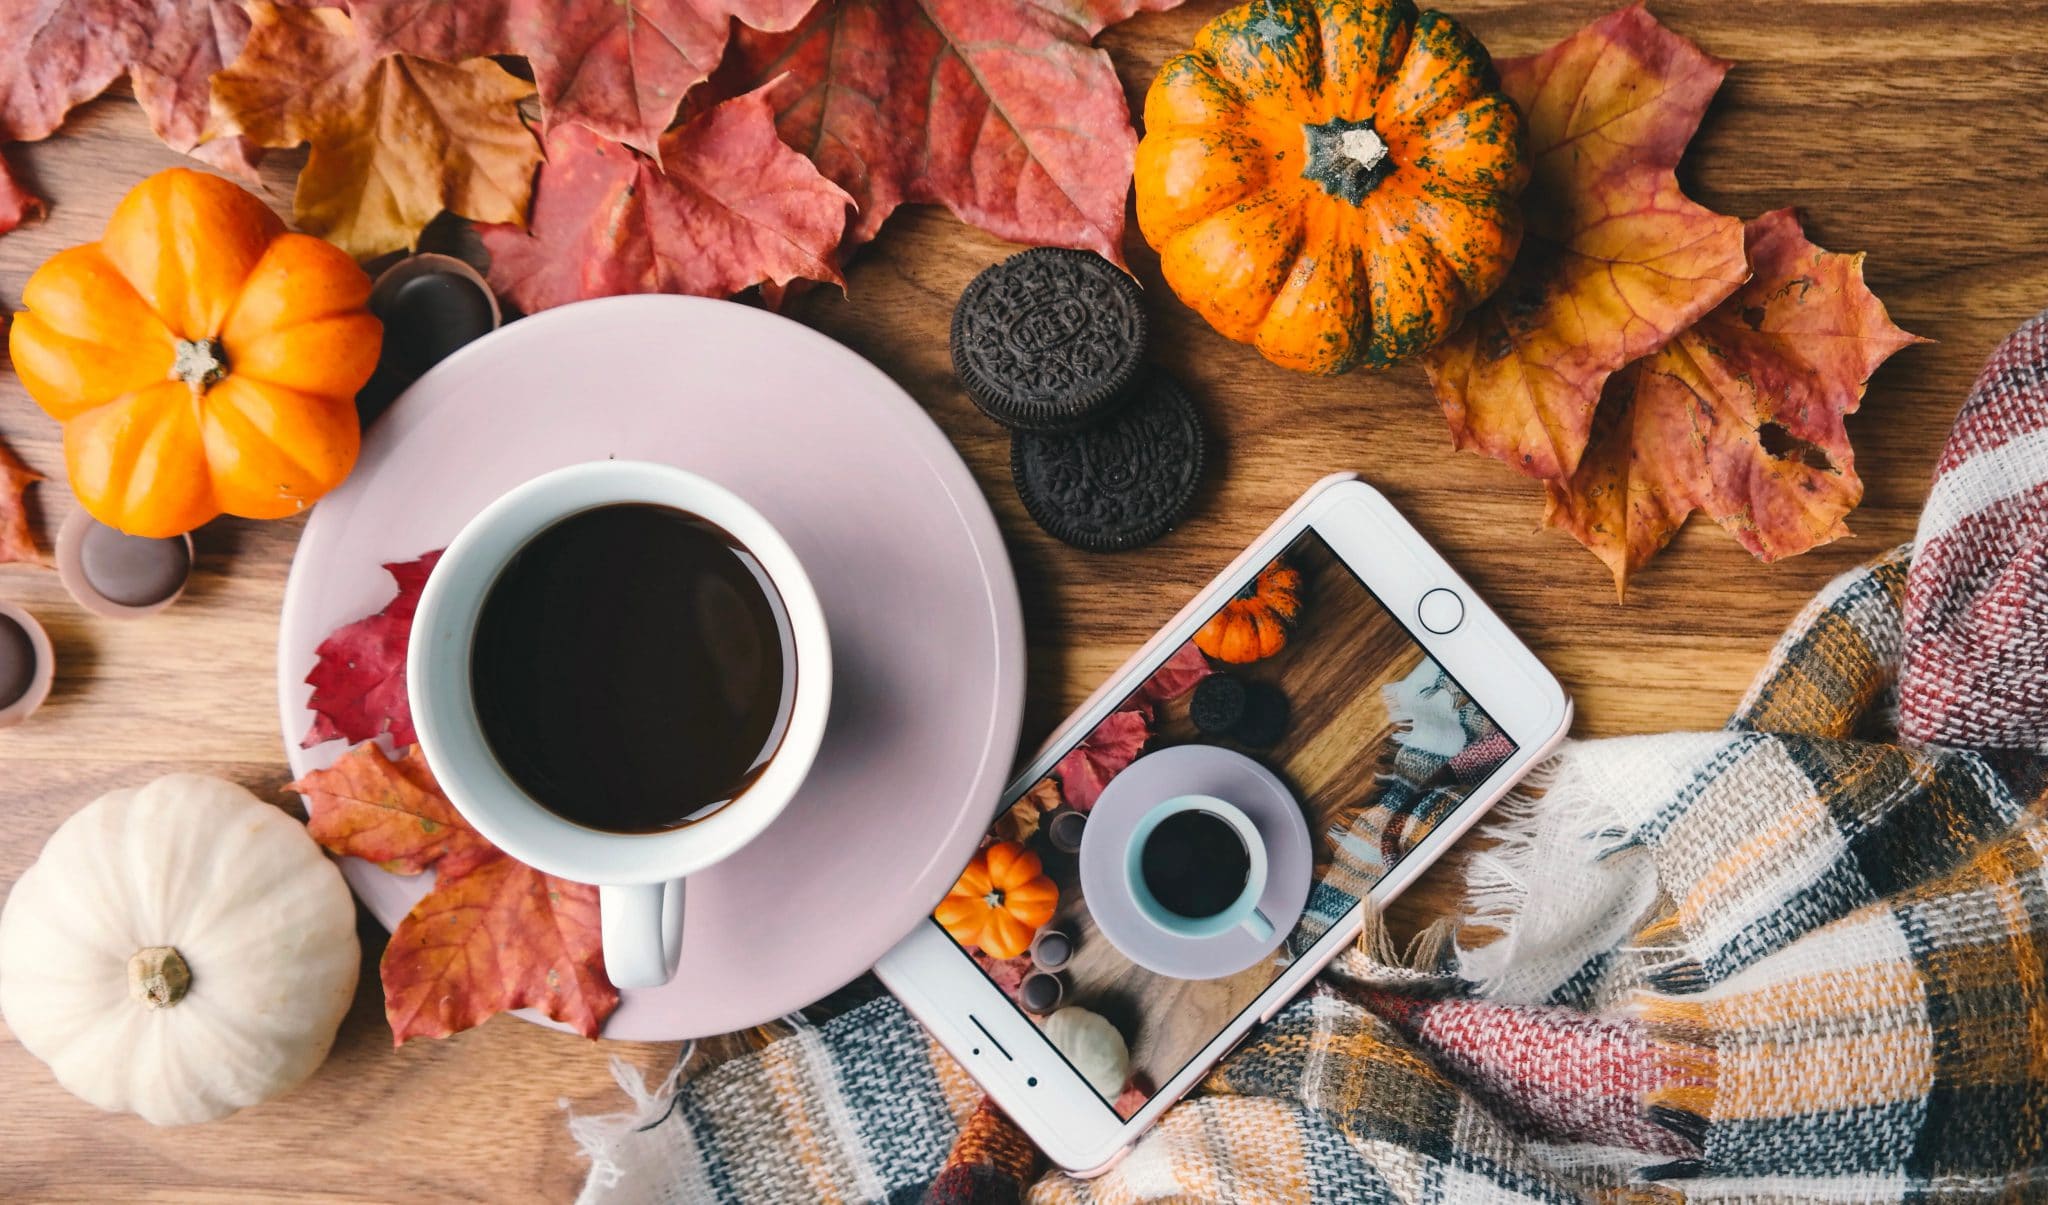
[
  {"x": 643, "y": 932},
  {"x": 1258, "y": 926}
]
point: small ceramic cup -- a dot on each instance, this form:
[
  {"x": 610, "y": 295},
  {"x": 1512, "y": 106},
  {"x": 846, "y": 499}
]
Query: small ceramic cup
[
  {"x": 639, "y": 876},
  {"x": 1241, "y": 912},
  {"x": 42, "y": 666}
]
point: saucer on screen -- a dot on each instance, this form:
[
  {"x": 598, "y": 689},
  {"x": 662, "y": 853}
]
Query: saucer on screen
[{"x": 1194, "y": 770}]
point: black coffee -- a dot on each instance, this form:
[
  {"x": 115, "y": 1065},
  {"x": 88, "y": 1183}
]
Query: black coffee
[
  {"x": 1195, "y": 864},
  {"x": 629, "y": 668}
]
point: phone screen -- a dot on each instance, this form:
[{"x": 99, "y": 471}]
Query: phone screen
[{"x": 1305, "y": 671}]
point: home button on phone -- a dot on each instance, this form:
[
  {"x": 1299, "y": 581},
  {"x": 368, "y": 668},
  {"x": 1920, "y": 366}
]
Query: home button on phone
[{"x": 1441, "y": 611}]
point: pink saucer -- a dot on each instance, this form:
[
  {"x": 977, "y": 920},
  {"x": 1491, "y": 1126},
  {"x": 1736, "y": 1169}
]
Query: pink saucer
[{"x": 926, "y": 631}]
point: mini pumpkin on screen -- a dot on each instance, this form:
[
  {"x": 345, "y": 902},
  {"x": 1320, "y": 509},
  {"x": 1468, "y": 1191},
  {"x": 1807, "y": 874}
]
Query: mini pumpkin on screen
[
  {"x": 1333, "y": 181},
  {"x": 203, "y": 359}
]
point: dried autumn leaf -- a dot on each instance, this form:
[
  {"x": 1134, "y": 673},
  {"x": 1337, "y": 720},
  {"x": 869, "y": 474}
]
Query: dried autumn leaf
[
  {"x": 1000, "y": 110},
  {"x": 1007, "y": 973},
  {"x": 618, "y": 68},
  {"x": 17, "y": 543},
  {"x": 395, "y": 140},
  {"x": 1176, "y": 676},
  {"x": 1616, "y": 259},
  {"x": 1088, "y": 767},
  {"x": 727, "y": 206},
  {"x": 492, "y": 936},
  {"x": 358, "y": 679},
  {"x": 60, "y": 53},
  {"x": 1739, "y": 416},
  {"x": 17, "y": 204},
  {"x": 500, "y": 937},
  {"x": 391, "y": 812},
  {"x": 1021, "y": 820}
]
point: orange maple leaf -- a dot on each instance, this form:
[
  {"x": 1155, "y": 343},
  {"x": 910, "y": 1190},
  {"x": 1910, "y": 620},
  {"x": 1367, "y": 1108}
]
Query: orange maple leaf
[
  {"x": 395, "y": 140},
  {"x": 492, "y": 936},
  {"x": 16, "y": 541},
  {"x": 1615, "y": 260},
  {"x": 1739, "y": 416}
]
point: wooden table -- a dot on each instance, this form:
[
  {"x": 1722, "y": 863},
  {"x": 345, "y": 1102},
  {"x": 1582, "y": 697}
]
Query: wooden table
[{"x": 1908, "y": 129}]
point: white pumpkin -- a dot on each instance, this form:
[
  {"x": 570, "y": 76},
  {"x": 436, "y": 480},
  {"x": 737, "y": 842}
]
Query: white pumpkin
[
  {"x": 179, "y": 950},
  {"x": 1093, "y": 1046}
]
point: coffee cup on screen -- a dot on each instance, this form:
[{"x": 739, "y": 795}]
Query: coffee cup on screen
[{"x": 1196, "y": 867}]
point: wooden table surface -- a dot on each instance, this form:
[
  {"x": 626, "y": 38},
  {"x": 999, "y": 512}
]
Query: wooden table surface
[{"x": 1911, "y": 130}]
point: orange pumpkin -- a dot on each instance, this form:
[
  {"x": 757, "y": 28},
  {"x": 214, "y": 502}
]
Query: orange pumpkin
[
  {"x": 1333, "y": 181},
  {"x": 1254, "y": 623},
  {"x": 1000, "y": 901},
  {"x": 202, "y": 359}
]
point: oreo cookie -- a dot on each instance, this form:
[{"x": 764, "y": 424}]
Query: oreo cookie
[
  {"x": 1049, "y": 340},
  {"x": 1120, "y": 483},
  {"x": 1218, "y": 704},
  {"x": 1265, "y": 716}
]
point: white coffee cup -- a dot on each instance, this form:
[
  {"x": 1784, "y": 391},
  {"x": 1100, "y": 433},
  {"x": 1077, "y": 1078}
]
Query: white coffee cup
[
  {"x": 1242, "y": 912},
  {"x": 639, "y": 876}
]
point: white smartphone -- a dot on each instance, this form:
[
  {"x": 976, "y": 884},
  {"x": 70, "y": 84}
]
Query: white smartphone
[{"x": 1368, "y": 708}]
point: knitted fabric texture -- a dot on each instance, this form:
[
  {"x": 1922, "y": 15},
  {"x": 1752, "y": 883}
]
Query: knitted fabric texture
[{"x": 1798, "y": 959}]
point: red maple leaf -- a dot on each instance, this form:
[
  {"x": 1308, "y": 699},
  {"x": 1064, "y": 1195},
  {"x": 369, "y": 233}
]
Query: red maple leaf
[
  {"x": 1000, "y": 110},
  {"x": 1088, "y": 767},
  {"x": 17, "y": 204},
  {"x": 492, "y": 936},
  {"x": 1176, "y": 676},
  {"x": 60, "y": 53},
  {"x": 359, "y": 680},
  {"x": 727, "y": 206},
  {"x": 619, "y": 67}
]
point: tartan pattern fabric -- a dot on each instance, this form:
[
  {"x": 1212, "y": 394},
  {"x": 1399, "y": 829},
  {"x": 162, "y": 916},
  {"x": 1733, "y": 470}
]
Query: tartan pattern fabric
[
  {"x": 1804, "y": 958},
  {"x": 1977, "y": 672}
]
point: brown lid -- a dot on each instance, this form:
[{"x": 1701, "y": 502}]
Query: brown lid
[{"x": 27, "y": 664}]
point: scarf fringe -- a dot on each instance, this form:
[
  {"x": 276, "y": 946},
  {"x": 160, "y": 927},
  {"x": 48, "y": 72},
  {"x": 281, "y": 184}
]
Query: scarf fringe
[
  {"x": 1497, "y": 881},
  {"x": 597, "y": 1135},
  {"x": 1689, "y": 1067},
  {"x": 1541, "y": 892}
]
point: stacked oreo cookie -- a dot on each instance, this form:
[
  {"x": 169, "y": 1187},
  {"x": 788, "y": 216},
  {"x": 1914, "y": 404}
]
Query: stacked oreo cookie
[{"x": 1106, "y": 451}]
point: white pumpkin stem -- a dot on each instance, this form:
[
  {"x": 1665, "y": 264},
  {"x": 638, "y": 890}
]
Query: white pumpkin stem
[
  {"x": 200, "y": 363},
  {"x": 158, "y": 976}
]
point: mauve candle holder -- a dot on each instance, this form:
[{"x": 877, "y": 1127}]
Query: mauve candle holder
[
  {"x": 118, "y": 576},
  {"x": 27, "y": 664},
  {"x": 431, "y": 305},
  {"x": 1052, "y": 949},
  {"x": 1064, "y": 829},
  {"x": 1041, "y": 993}
]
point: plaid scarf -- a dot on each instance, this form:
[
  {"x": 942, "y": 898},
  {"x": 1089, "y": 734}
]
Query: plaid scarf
[{"x": 1801, "y": 958}]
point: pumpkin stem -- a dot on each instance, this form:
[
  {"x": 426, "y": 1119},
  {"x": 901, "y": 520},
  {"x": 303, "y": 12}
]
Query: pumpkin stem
[
  {"x": 200, "y": 363},
  {"x": 158, "y": 976},
  {"x": 994, "y": 898},
  {"x": 1348, "y": 158}
]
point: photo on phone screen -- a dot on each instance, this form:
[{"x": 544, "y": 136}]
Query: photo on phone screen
[{"x": 1377, "y": 743}]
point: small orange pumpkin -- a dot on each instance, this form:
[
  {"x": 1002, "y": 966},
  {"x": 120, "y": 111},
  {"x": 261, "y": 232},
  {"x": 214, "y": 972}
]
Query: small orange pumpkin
[
  {"x": 202, "y": 359},
  {"x": 1333, "y": 181},
  {"x": 1254, "y": 623},
  {"x": 1000, "y": 901}
]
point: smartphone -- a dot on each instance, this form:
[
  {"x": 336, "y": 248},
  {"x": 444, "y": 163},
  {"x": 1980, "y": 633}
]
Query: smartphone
[{"x": 1368, "y": 708}]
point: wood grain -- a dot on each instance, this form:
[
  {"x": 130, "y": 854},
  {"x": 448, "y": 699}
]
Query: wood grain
[{"x": 1908, "y": 129}]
